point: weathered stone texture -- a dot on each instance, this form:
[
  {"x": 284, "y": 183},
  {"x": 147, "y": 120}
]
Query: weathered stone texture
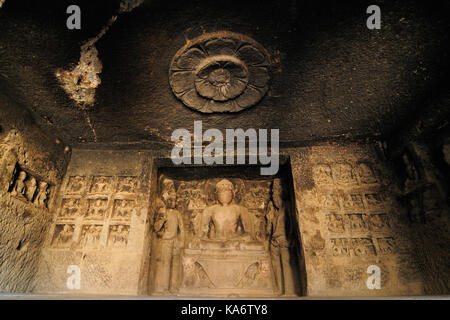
[
  {"x": 24, "y": 223},
  {"x": 99, "y": 225},
  {"x": 350, "y": 219}
]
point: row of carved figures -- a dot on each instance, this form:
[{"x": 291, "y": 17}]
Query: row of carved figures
[
  {"x": 344, "y": 173},
  {"x": 90, "y": 235},
  {"x": 100, "y": 184},
  {"x": 96, "y": 208},
  {"x": 361, "y": 246},
  {"x": 358, "y": 222},
  {"x": 28, "y": 188}
]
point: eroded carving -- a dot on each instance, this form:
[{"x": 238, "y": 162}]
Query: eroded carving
[
  {"x": 343, "y": 173},
  {"x": 96, "y": 208},
  {"x": 70, "y": 208},
  {"x": 194, "y": 276},
  {"x": 386, "y": 245},
  {"x": 63, "y": 235},
  {"x": 352, "y": 247},
  {"x": 19, "y": 188},
  {"x": 366, "y": 173},
  {"x": 257, "y": 275},
  {"x": 127, "y": 185},
  {"x": 90, "y": 236},
  {"x": 123, "y": 209},
  {"x": 322, "y": 174},
  {"x": 358, "y": 222},
  {"x": 42, "y": 195},
  {"x": 118, "y": 236},
  {"x": 101, "y": 185},
  {"x": 76, "y": 185}
]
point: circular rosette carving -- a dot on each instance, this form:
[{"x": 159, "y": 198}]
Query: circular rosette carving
[{"x": 220, "y": 72}]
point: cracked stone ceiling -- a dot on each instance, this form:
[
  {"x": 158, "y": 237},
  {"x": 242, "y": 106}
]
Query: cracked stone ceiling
[{"x": 331, "y": 77}]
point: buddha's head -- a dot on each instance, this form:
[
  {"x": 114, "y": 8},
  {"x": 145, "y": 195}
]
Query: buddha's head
[
  {"x": 22, "y": 175},
  {"x": 224, "y": 191}
]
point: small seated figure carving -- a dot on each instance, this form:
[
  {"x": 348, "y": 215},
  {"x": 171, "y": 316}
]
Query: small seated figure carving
[
  {"x": 31, "y": 189},
  {"x": 19, "y": 187},
  {"x": 100, "y": 185},
  {"x": 97, "y": 209},
  {"x": 127, "y": 184},
  {"x": 91, "y": 236},
  {"x": 226, "y": 222},
  {"x": 42, "y": 195},
  {"x": 119, "y": 236},
  {"x": 65, "y": 235},
  {"x": 123, "y": 210}
]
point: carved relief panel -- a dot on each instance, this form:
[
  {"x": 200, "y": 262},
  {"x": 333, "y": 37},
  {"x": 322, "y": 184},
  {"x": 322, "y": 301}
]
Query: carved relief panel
[
  {"x": 353, "y": 208},
  {"x": 220, "y": 236},
  {"x": 99, "y": 209}
]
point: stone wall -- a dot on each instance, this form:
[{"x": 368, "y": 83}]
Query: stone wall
[
  {"x": 350, "y": 219},
  {"x": 423, "y": 182},
  {"x": 26, "y": 199},
  {"x": 349, "y": 203},
  {"x": 99, "y": 225}
]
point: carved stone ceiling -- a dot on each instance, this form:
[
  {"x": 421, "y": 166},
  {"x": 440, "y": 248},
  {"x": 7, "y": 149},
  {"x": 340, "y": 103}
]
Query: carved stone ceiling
[{"x": 330, "y": 76}]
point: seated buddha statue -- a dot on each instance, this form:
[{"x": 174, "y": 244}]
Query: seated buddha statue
[{"x": 225, "y": 224}]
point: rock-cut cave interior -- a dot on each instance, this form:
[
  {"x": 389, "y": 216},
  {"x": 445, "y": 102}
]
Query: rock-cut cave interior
[{"x": 273, "y": 149}]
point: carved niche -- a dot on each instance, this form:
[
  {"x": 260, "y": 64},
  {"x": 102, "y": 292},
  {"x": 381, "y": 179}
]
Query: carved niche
[
  {"x": 25, "y": 187},
  {"x": 220, "y": 236},
  {"x": 220, "y": 72}
]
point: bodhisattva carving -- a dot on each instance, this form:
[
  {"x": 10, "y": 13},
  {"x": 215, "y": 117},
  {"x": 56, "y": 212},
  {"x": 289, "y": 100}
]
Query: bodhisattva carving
[
  {"x": 279, "y": 229},
  {"x": 168, "y": 225},
  {"x": 220, "y": 72}
]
